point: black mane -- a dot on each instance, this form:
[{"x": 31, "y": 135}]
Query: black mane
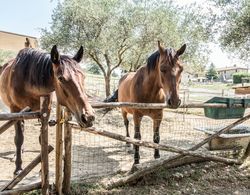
[
  {"x": 36, "y": 67},
  {"x": 152, "y": 59}
]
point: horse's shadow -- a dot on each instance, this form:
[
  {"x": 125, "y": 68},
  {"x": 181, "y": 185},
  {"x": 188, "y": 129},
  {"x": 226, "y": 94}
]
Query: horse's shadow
[
  {"x": 88, "y": 162},
  {"x": 6, "y": 155}
]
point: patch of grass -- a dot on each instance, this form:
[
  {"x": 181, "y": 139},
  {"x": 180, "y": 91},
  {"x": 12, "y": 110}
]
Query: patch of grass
[{"x": 212, "y": 86}]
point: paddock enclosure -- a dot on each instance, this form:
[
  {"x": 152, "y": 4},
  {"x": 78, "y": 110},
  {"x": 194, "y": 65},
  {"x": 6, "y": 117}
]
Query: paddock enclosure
[{"x": 100, "y": 158}]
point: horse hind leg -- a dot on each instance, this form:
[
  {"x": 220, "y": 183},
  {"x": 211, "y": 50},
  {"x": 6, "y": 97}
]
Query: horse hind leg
[
  {"x": 19, "y": 138},
  {"x": 126, "y": 123}
]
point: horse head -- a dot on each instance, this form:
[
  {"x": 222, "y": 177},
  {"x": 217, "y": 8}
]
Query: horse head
[
  {"x": 69, "y": 86},
  {"x": 170, "y": 68}
]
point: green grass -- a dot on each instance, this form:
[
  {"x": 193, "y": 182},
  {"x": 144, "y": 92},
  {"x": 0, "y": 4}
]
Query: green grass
[{"x": 212, "y": 86}]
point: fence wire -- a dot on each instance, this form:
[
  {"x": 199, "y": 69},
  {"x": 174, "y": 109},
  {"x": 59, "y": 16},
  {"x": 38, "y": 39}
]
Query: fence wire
[{"x": 95, "y": 155}]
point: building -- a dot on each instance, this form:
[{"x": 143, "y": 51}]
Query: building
[
  {"x": 226, "y": 73},
  {"x": 14, "y": 42}
]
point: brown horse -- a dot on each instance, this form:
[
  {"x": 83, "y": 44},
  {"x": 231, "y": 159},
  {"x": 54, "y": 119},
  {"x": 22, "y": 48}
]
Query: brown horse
[
  {"x": 33, "y": 74},
  {"x": 157, "y": 82}
]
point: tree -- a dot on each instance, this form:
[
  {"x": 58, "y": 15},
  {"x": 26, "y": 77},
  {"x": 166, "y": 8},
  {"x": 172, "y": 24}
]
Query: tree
[
  {"x": 211, "y": 73},
  {"x": 118, "y": 33},
  {"x": 233, "y": 25},
  {"x": 5, "y": 56},
  {"x": 101, "y": 26}
]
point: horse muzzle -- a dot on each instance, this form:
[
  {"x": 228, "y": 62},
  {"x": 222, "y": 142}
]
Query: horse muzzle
[
  {"x": 85, "y": 120},
  {"x": 174, "y": 104}
]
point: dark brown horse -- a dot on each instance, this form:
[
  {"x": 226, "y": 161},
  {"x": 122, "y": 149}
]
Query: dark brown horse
[
  {"x": 157, "y": 82},
  {"x": 33, "y": 74}
]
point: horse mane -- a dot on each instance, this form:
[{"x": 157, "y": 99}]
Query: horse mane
[
  {"x": 36, "y": 67},
  {"x": 152, "y": 59}
]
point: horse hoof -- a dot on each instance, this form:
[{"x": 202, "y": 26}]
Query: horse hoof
[
  {"x": 136, "y": 162},
  {"x": 131, "y": 151},
  {"x": 17, "y": 172},
  {"x": 128, "y": 145},
  {"x": 157, "y": 156}
]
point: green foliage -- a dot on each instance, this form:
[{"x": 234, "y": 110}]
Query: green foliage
[
  {"x": 237, "y": 77},
  {"x": 94, "y": 69},
  {"x": 233, "y": 24},
  {"x": 212, "y": 73},
  {"x": 5, "y": 56},
  {"x": 123, "y": 33}
]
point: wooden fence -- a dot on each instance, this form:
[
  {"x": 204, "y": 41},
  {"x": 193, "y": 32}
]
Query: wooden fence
[
  {"x": 25, "y": 114},
  {"x": 184, "y": 156},
  {"x": 64, "y": 126}
]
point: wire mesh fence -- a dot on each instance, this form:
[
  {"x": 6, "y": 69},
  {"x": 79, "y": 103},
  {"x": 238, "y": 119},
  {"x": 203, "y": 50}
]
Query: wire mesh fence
[{"x": 95, "y": 156}]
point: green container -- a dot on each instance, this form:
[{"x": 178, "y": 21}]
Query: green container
[{"x": 226, "y": 113}]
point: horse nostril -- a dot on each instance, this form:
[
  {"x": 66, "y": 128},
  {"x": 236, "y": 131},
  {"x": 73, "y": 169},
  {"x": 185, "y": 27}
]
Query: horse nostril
[
  {"x": 84, "y": 120},
  {"x": 169, "y": 102},
  {"x": 91, "y": 118}
]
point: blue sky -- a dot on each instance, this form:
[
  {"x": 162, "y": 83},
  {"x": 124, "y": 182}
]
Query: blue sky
[
  {"x": 29, "y": 16},
  {"x": 26, "y": 16}
]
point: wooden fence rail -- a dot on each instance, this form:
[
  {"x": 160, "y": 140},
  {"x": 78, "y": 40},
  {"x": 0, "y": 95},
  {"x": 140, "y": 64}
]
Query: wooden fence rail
[{"x": 163, "y": 105}]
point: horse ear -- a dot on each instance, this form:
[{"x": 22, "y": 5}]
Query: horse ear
[
  {"x": 79, "y": 55},
  {"x": 54, "y": 55},
  {"x": 181, "y": 50},
  {"x": 161, "y": 49}
]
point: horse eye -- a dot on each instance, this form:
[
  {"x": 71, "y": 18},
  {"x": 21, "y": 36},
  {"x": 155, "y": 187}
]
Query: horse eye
[
  {"x": 61, "y": 79},
  {"x": 163, "y": 69}
]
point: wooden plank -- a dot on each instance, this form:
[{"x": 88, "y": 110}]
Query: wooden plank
[
  {"x": 161, "y": 105},
  {"x": 67, "y": 155},
  {"x": 8, "y": 124},
  {"x": 59, "y": 149},
  {"x": 45, "y": 111},
  {"x": 147, "y": 169},
  {"x": 23, "y": 189},
  {"x": 19, "y": 116},
  {"x": 24, "y": 172}
]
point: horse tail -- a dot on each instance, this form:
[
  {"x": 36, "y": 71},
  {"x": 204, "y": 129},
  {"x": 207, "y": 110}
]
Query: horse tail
[{"x": 112, "y": 98}]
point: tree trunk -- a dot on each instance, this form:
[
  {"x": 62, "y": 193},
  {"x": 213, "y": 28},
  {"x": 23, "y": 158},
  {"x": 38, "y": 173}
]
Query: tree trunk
[{"x": 107, "y": 84}]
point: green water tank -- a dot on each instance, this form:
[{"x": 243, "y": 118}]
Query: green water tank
[{"x": 229, "y": 112}]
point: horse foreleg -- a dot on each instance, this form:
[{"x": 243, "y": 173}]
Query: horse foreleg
[
  {"x": 137, "y": 135},
  {"x": 19, "y": 138},
  {"x": 156, "y": 137}
]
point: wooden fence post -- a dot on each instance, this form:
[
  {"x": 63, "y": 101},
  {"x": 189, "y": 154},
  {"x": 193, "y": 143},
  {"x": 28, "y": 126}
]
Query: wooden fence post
[
  {"x": 45, "y": 112},
  {"x": 67, "y": 155},
  {"x": 59, "y": 148}
]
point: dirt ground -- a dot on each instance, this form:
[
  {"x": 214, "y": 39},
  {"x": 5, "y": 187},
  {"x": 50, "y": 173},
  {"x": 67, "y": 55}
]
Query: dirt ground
[{"x": 95, "y": 157}]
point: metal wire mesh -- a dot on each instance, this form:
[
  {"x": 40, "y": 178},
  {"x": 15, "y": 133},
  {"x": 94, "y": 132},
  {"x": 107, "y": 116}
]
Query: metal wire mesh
[{"x": 95, "y": 155}]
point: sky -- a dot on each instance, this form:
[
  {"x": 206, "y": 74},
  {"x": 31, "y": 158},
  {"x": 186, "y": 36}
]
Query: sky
[{"x": 29, "y": 16}]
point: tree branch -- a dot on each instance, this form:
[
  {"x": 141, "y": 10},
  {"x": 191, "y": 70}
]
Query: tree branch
[{"x": 95, "y": 58}]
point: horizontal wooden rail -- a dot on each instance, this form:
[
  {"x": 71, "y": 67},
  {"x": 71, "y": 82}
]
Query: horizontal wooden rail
[
  {"x": 154, "y": 145},
  {"x": 19, "y": 116},
  {"x": 8, "y": 124},
  {"x": 163, "y": 105}
]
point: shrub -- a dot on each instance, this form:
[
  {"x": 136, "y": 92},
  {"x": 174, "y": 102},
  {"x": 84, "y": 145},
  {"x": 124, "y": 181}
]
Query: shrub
[{"x": 237, "y": 77}]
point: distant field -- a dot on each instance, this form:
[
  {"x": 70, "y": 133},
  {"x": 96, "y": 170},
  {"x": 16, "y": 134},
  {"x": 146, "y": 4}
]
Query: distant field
[{"x": 197, "y": 92}]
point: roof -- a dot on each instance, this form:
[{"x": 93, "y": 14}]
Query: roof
[
  {"x": 230, "y": 68},
  {"x": 18, "y": 34}
]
